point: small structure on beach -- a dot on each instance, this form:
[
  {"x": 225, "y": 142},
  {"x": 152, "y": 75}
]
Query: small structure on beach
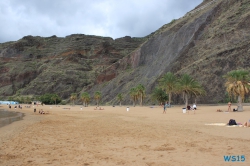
[
  {"x": 8, "y": 102},
  {"x": 36, "y": 103}
]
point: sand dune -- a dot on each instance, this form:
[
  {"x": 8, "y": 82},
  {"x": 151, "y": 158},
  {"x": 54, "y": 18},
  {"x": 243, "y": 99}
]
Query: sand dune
[{"x": 114, "y": 136}]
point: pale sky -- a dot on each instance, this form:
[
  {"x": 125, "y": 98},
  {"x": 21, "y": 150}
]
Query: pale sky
[{"x": 112, "y": 18}]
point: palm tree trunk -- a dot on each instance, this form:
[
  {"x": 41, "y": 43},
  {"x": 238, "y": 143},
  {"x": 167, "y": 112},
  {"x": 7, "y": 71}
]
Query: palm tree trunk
[
  {"x": 240, "y": 106},
  {"x": 186, "y": 99},
  {"x": 120, "y": 103},
  {"x": 169, "y": 98},
  {"x": 141, "y": 99}
]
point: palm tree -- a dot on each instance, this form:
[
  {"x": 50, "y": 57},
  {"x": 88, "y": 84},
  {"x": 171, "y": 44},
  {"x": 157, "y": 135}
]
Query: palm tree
[
  {"x": 134, "y": 95},
  {"x": 85, "y": 99},
  {"x": 159, "y": 95},
  {"x": 238, "y": 85},
  {"x": 141, "y": 92},
  {"x": 54, "y": 97},
  {"x": 73, "y": 97},
  {"x": 120, "y": 98},
  {"x": 189, "y": 86},
  {"x": 97, "y": 97},
  {"x": 27, "y": 100},
  {"x": 169, "y": 83},
  {"x": 22, "y": 99}
]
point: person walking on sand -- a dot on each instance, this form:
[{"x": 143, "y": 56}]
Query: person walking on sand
[
  {"x": 164, "y": 108},
  {"x": 229, "y": 107}
]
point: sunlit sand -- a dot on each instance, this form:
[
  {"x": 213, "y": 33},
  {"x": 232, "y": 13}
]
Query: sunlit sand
[{"x": 79, "y": 135}]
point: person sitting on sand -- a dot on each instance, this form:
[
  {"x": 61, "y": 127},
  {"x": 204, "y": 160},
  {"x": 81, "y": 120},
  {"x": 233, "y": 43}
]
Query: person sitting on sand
[
  {"x": 219, "y": 110},
  {"x": 101, "y": 108}
]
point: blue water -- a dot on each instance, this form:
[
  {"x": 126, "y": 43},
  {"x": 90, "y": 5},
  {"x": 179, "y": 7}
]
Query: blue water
[{"x": 7, "y": 117}]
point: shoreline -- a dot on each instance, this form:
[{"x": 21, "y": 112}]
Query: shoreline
[{"x": 10, "y": 118}]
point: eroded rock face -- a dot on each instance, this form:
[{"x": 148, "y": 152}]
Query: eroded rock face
[{"x": 205, "y": 44}]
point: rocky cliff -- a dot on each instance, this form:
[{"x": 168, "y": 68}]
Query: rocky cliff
[{"x": 206, "y": 43}]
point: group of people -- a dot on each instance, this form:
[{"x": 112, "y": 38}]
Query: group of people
[
  {"x": 41, "y": 111},
  {"x": 191, "y": 108},
  {"x": 19, "y": 106},
  {"x": 98, "y": 108},
  {"x": 188, "y": 107},
  {"x": 229, "y": 109},
  {"x": 246, "y": 124}
]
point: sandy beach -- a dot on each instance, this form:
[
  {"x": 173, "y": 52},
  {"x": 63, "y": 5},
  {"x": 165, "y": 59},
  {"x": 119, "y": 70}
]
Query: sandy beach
[{"x": 114, "y": 136}]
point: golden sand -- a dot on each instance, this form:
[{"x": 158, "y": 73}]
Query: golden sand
[{"x": 115, "y": 136}]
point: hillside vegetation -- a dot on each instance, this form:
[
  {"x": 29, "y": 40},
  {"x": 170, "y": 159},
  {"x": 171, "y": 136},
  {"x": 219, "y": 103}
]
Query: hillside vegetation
[{"x": 206, "y": 43}]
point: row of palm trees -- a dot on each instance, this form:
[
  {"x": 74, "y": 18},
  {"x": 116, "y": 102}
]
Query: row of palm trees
[
  {"x": 237, "y": 85},
  {"x": 170, "y": 84},
  {"x": 85, "y": 98},
  {"x": 184, "y": 85},
  {"x": 136, "y": 93}
]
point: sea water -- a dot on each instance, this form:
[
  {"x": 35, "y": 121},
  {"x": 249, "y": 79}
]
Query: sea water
[{"x": 7, "y": 117}]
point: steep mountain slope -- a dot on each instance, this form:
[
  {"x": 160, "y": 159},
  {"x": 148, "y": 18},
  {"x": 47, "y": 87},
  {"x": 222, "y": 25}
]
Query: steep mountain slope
[{"x": 206, "y": 43}]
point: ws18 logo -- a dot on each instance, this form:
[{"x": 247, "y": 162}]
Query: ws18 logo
[{"x": 239, "y": 158}]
